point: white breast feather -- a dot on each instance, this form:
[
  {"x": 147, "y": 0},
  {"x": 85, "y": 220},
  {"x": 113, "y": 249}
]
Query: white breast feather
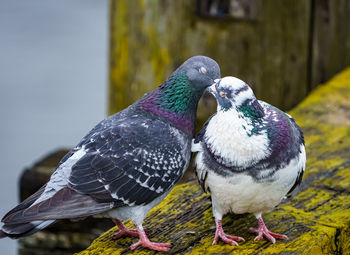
[
  {"x": 242, "y": 194},
  {"x": 227, "y": 136}
]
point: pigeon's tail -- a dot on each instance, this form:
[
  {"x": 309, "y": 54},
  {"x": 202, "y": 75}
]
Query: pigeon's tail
[
  {"x": 32, "y": 215},
  {"x": 20, "y": 230}
]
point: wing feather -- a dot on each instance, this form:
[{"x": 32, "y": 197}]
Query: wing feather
[{"x": 148, "y": 158}]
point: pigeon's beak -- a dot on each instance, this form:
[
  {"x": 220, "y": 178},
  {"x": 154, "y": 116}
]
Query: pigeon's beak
[{"x": 212, "y": 88}]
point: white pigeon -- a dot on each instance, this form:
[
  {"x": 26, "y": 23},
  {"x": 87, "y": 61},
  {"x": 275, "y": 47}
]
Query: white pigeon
[{"x": 250, "y": 155}]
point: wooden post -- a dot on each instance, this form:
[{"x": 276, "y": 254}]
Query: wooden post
[
  {"x": 149, "y": 39},
  {"x": 330, "y": 39}
]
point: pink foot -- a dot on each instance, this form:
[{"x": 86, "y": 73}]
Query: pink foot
[
  {"x": 220, "y": 234},
  {"x": 263, "y": 231},
  {"x": 123, "y": 231},
  {"x": 151, "y": 245},
  {"x": 145, "y": 242}
]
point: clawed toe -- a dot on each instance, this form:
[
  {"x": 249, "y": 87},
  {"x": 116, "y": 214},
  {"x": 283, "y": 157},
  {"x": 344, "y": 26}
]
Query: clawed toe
[
  {"x": 263, "y": 231},
  {"x": 235, "y": 238},
  {"x": 278, "y": 236},
  {"x": 220, "y": 234},
  {"x": 231, "y": 240},
  {"x": 151, "y": 245},
  {"x": 254, "y": 230},
  {"x": 261, "y": 236},
  {"x": 125, "y": 232},
  {"x": 139, "y": 232},
  {"x": 227, "y": 239}
]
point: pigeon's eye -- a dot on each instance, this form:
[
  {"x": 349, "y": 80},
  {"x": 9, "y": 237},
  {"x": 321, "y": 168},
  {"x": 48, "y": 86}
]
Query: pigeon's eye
[
  {"x": 223, "y": 94},
  {"x": 202, "y": 70}
]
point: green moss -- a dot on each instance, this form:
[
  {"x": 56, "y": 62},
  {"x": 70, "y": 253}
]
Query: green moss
[{"x": 119, "y": 65}]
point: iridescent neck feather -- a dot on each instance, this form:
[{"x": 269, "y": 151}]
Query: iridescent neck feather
[{"x": 175, "y": 100}]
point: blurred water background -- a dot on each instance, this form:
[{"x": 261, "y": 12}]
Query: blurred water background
[{"x": 53, "y": 82}]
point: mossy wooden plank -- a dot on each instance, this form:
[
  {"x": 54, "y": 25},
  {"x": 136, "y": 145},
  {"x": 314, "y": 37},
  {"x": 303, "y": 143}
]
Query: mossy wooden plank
[{"x": 317, "y": 220}]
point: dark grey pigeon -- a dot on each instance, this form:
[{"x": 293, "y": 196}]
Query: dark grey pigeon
[
  {"x": 250, "y": 155},
  {"x": 126, "y": 164}
]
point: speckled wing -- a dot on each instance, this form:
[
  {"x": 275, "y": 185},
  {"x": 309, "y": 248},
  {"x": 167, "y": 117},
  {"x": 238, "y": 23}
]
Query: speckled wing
[
  {"x": 285, "y": 135},
  {"x": 287, "y": 146},
  {"x": 130, "y": 161},
  {"x": 125, "y": 160}
]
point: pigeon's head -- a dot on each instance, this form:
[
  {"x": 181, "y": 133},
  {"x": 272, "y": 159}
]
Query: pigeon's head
[
  {"x": 177, "y": 98},
  {"x": 200, "y": 71},
  {"x": 231, "y": 92}
]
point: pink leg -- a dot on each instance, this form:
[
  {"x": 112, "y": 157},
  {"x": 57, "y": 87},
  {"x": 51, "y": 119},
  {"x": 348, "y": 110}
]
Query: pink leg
[
  {"x": 224, "y": 237},
  {"x": 123, "y": 231},
  {"x": 145, "y": 242},
  {"x": 263, "y": 231}
]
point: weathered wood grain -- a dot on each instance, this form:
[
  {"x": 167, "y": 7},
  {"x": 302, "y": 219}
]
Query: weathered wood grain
[
  {"x": 149, "y": 39},
  {"x": 317, "y": 220},
  {"x": 330, "y": 39}
]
